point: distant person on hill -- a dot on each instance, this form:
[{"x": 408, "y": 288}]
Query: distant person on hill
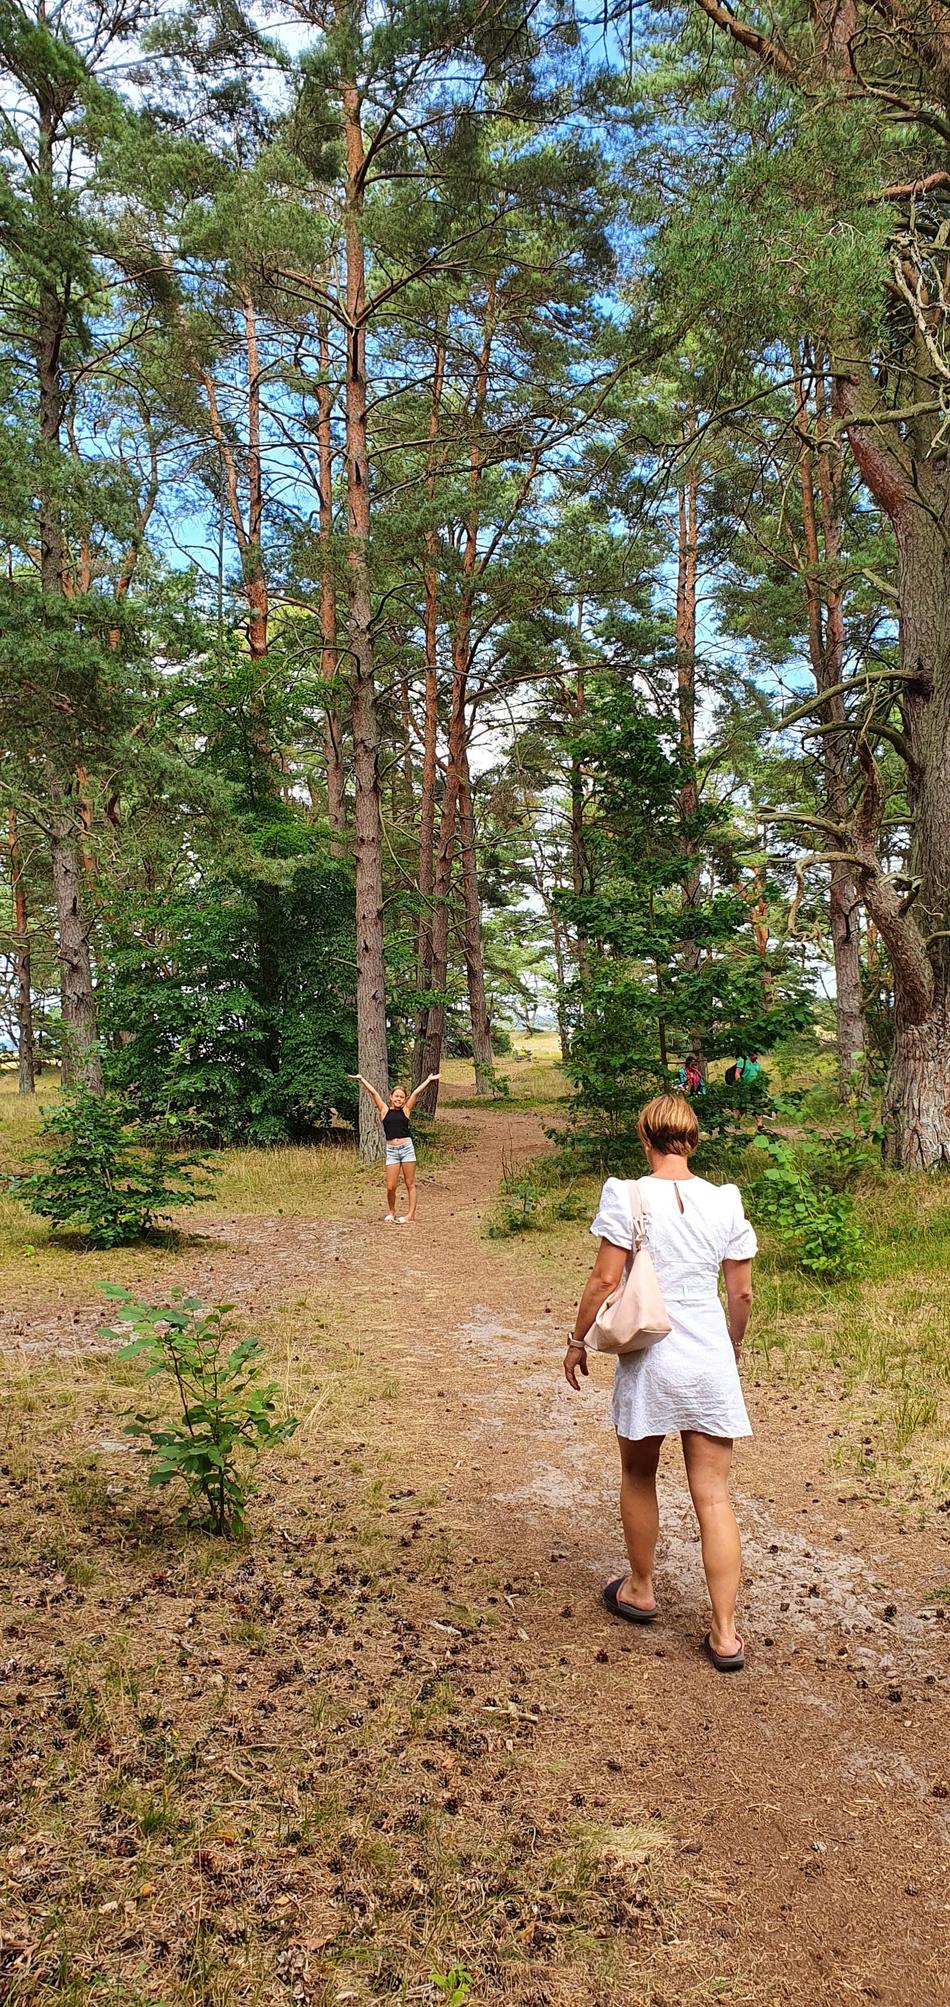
[
  {"x": 687, "y": 1381},
  {"x": 688, "y": 1078},
  {"x": 400, "y": 1154},
  {"x": 746, "y": 1069}
]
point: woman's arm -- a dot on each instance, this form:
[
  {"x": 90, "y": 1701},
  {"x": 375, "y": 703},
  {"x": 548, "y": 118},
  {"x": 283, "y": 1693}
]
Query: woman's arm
[
  {"x": 604, "y": 1276},
  {"x": 737, "y": 1276},
  {"x": 414, "y": 1096},
  {"x": 373, "y": 1092}
]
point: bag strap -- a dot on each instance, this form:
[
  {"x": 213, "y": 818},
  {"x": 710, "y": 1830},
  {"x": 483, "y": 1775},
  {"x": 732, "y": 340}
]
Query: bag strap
[{"x": 638, "y": 1213}]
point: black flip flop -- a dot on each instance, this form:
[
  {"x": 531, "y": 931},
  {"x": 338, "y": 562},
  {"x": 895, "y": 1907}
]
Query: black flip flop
[
  {"x": 725, "y": 1661},
  {"x": 628, "y": 1611}
]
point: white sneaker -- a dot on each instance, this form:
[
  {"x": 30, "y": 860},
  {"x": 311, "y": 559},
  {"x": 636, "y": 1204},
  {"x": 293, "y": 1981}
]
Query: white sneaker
[{"x": 390, "y": 1219}]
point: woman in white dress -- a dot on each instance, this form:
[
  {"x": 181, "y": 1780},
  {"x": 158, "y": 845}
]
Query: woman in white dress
[{"x": 687, "y": 1381}]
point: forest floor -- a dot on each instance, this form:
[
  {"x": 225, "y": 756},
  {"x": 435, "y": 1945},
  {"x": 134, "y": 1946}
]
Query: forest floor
[{"x": 395, "y": 1733}]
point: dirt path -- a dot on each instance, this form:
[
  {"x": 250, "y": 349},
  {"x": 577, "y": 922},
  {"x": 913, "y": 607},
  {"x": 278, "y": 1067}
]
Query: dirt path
[
  {"x": 815, "y": 1789},
  {"x": 418, "y": 1706}
]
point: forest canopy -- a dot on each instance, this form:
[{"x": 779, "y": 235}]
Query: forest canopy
[{"x": 475, "y": 516}]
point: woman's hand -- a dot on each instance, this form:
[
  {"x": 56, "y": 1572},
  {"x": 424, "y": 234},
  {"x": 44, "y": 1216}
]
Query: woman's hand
[{"x": 575, "y": 1361}]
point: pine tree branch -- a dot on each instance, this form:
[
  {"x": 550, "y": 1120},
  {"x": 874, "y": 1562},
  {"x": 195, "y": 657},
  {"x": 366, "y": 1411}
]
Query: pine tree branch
[
  {"x": 770, "y": 52},
  {"x": 836, "y": 829},
  {"x": 904, "y": 191},
  {"x": 841, "y": 689}
]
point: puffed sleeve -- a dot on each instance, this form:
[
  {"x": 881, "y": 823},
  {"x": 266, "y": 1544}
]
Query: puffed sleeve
[
  {"x": 613, "y": 1221},
  {"x": 741, "y": 1244}
]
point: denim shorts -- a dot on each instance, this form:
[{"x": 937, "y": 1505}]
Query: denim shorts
[{"x": 401, "y": 1152}]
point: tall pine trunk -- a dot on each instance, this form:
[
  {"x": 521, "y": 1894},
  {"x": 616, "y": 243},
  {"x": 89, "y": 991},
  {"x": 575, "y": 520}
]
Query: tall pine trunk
[
  {"x": 916, "y": 497},
  {"x": 580, "y": 874},
  {"x": 430, "y": 727},
  {"x": 81, "y": 1063},
  {"x": 373, "y": 1058},
  {"x": 917, "y": 1091},
  {"x": 26, "y": 1044},
  {"x": 826, "y": 648},
  {"x": 461, "y": 666},
  {"x": 472, "y": 936},
  {"x": 686, "y": 584},
  {"x": 332, "y": 735},
  {"x": 434, "y": 1038}
]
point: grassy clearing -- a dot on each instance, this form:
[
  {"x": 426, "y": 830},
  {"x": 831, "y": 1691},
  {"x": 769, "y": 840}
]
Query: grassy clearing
[
  {"x": 315, "y": 1766},
  {"x": 322, "y": 1182},
  {"x": 531, "y": 1075},
  {"x": 882, "y": 1341}
]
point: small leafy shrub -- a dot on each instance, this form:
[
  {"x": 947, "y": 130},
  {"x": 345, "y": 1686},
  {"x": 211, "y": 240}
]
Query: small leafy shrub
[
  {"x": 454, "y": 1986},
  {"x": 518, "y": 1208},
  {"x": 535, "y": 1197},
  {"x": 228, "y": 1413},
  {"x": 105, "y": 1176},
  {"x": 816, "y": 1224}
]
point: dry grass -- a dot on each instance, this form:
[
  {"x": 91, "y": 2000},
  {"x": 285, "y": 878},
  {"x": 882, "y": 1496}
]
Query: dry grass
[
  {"x": 531, "y": 1075},
  {"x": 883, "y": 1339},
  {"x": 310, "y": 1768}
]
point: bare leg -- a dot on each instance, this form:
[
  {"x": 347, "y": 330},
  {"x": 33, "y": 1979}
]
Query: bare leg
[
  {"x": 392, "y": 1180},
  {"x": 641, "y": 1517},
  {"x": 707, "y": 1460},
  {"x": 409, "y": 1175}
]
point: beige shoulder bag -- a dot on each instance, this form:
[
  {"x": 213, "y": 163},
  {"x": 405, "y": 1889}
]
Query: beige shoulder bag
[{"x": 634, "y": 1315}]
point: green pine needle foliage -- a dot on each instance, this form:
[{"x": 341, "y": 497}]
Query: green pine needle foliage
[{"x": 103, "y": 1176}]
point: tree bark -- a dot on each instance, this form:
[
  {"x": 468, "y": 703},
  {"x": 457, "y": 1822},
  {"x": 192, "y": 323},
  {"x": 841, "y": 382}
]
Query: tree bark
[
  {"x": 916, "y": 932},
  {"x": 82, "y": 1066},
  {"x": 81, "y": 1063},
  {"x": 917, "y": 1092},
  {"x": 461, "y": 665},
  {"x": 373, "y": 1057},
  {"x": 474, "y": 947},
  {"x": 434, "y": 1039},
  {"x": 686, "y": 584},
  {"x": 580, "y": 875},
  {"x": 252, "y": 558},
  {"x": 26, "y": 1044},
  {"x": 826, "y": 647},
  {"x": 332, "y": 735},
  {"x": 429, "y": 729}
]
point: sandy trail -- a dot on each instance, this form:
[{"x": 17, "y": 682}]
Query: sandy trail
[
  {"x": 815, "y": 1787},
  {"x": 809, "y": 1799}
]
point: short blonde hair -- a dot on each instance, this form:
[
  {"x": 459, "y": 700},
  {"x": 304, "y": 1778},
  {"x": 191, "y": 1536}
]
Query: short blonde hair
[{"x": 668, "y": 1124}]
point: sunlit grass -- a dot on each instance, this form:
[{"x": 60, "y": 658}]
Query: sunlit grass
[{"x": 531, "y": 1074}]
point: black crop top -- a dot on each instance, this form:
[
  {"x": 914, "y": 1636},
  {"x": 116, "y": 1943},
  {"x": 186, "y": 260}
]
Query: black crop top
[{"x": 395, "y": 1125}]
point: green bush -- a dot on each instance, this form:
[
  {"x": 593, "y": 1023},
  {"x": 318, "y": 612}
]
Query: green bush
[
  {"x": 815, "y": 1223},
  {"x": 231, "y": 1005},
  {"x": 104, "y": 1175},
  {"x": 535, "y": 1197},
  {"x": 228, "y": 1417},
  {"x": 518, "y": 1208}
]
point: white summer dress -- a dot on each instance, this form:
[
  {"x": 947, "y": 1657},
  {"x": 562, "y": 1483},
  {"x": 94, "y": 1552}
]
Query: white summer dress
[{"x": 689, "y": 1379}]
